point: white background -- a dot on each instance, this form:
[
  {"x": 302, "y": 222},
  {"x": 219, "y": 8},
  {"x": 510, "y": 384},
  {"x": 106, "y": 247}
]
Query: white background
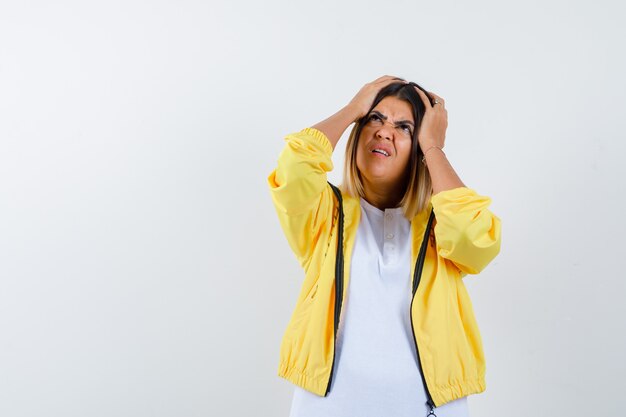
[{"x": 143, "y": 271}]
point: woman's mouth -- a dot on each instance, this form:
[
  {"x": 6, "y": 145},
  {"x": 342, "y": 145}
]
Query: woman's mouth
[{"x": 380, "y": 153}]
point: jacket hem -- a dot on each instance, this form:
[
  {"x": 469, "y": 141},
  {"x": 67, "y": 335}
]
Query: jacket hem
[
  {"x": 441, "y": 395},
  {"x": 299, "y": 378},
  {"x": 450, "y": 392}
]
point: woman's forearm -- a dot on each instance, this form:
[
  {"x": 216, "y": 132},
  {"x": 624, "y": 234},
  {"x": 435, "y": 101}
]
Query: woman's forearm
[
  {"x": 334, "y": 126},
  {"x": 442, "y": 174}
]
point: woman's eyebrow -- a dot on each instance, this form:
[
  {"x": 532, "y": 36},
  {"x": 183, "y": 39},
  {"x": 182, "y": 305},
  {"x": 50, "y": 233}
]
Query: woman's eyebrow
[{"x": 382, "y": 116}]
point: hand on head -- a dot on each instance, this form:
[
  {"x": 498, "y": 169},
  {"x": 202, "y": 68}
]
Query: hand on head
[
  {"x": 366, "y": 95},
  {"x": 432, "y": 130}
]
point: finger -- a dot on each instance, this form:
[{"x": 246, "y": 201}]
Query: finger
[
  {"x": 436, "y": 96},
  {"x": 398, "y": 78},
  {"x": 393, "y": 77},
  {"x": 395, "y": 80},
  {"x": 425, "y": 99},
  {"x": 383, "y": 78},
  {"x": 390, "y": 79},
  {"x": 439, "y": 99}
]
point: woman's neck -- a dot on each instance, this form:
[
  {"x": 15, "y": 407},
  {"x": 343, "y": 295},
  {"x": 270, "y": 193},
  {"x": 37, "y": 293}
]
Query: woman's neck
[{"x": 383, "y": 196}]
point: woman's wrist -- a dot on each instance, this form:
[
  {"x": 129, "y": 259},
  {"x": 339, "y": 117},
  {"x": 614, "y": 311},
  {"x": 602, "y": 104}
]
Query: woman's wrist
[
  {"x": 430, "y": 148},
  {"x": 334, "y": 126},
  {"x": 353, "y": 112}
]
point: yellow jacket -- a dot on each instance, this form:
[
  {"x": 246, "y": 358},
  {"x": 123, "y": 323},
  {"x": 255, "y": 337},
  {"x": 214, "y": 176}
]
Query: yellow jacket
[{"x": 467, "y": 238}]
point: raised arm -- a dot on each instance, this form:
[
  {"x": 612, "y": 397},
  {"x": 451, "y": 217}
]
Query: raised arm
[
  {"x": 334, "y": 126},
  {"x": 467, "y": 232},
  {"x": 298, "y": 185}
]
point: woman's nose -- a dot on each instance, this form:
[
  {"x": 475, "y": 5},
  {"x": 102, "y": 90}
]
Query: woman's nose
[{"x": 385, "y": 132}]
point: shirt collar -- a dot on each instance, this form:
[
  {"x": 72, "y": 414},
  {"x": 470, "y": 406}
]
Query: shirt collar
[{"x": 376, "y": 211}]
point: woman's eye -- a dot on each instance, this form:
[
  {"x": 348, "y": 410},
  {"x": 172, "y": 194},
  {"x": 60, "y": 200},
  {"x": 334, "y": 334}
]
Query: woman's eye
[
  {"x": 374, "y": 117},
  {"x": 407, "y": 128}
]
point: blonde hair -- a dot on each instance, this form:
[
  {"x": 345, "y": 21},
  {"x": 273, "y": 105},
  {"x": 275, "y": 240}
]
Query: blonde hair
[{"x": 419, "y": 185}]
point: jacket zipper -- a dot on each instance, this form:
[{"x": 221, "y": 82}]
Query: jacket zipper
[
  {"x": 339, "y": 293},
  {"x": 338, "y": 280},
  {"x": 416, "y": 280}
]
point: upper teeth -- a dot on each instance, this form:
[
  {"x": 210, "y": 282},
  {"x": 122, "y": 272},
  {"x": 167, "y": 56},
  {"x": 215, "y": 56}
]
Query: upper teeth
[{"x": 381, "y": 151}]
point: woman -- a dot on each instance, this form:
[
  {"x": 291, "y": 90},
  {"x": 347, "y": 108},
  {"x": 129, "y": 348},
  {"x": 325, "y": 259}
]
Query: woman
[{"x": 394, "y": 241}]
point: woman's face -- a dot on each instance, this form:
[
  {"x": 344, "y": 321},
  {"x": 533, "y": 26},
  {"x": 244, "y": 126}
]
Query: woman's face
[{"x": 389, "y": 128}]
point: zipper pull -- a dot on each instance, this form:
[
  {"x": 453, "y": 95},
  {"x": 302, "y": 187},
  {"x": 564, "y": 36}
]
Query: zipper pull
[{"x": 431, "y": 412}]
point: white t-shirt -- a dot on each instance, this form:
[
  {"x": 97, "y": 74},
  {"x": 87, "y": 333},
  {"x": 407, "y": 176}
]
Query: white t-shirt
[{"x": 375, "y": 371}]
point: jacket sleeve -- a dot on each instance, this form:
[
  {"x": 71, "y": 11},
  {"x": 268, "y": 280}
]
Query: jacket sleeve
[
  {"x": 302, "y": 197},
  {"x": 467, "y": 232}
]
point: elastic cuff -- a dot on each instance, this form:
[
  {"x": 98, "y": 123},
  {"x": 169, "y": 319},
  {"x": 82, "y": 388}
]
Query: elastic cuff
[
  {"x": 320, "y": 137},
  {"x": 451, "y": 194}
]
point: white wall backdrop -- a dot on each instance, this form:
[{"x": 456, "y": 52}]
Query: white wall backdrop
[{"x": 143, "y": 271}]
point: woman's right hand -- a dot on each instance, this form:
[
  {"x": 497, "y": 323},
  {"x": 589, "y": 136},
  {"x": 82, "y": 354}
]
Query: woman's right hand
[
  {"x": 334, "y": 126},
  {"x": 365, "y": 97}
]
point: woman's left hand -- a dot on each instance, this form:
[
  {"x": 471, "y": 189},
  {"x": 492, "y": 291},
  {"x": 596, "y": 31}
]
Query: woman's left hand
[{"x": 432, "y": 130}]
